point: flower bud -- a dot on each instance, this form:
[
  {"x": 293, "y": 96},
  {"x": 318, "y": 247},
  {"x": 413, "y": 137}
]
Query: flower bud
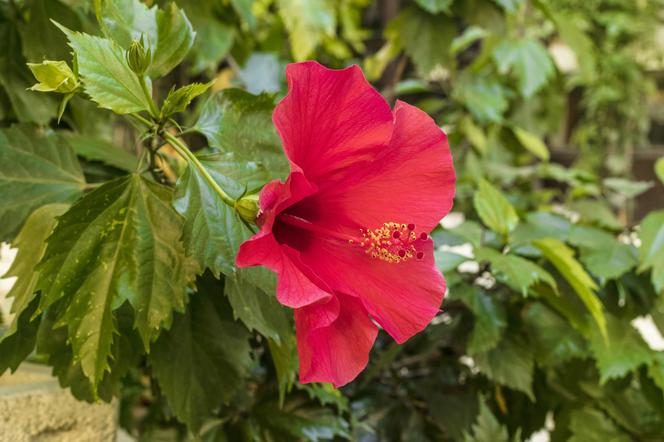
[
  {"x": 54, "y": 76},
  {"x": 247, "y": 207},
  {"x": 138, "y": 58}
]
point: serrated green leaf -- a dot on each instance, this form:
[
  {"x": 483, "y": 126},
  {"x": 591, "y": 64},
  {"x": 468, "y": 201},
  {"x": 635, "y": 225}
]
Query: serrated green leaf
[
  {"x": 562, "y": 258},
  {"x": 554, "y": 339},
  {"x": 119, "y": 243},
  {"x": 516, "y": 272},
  {"x": 510, "y": 363},
  {"x": 425, "y": 38},
  {"x": 528, "y": 60},
  {"x": 284, "y": 358},
  {"x": 486, "y": 428},
  {"x": 53, "y": 76},
  {"x": 611, "y": 261},
  {"x": 97, "y": 149},
  {"x": 651, "y": 252},
  {"x": 54, "y": 347},
  {"x": 213, "y": 231},
  {"x": 257, "y": 309},
  {"x": 659, "y": 169},
  {"x": 178, "y": 99},
  {"x": 105, "y": 74},
  {"x": 590, "y": 425},
  {"x": 622, "y": 352},
  {"x": 532, "y": 143},
  {"x": 490, "y": 319},
  {"x": 239, "y": 122},
  {"x": 494, "y": 209},
  {"x": 36, "y": 168},
  {"x": 202, "y": 360},
  {"x": 31, "y": 243},
  {"x": 308, "y": 23}
]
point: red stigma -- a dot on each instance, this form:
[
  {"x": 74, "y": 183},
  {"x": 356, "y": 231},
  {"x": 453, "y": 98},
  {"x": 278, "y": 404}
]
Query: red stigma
[
  {"x": 411, "y": 226},
  {"x": 396, "y": 235},
  {"x": 420, "y": 255},
  {"x": 423, "y": 236},
  {"x": 402, "y": 253}
]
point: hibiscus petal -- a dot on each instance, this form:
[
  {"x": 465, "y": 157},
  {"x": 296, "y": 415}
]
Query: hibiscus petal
[
  {"x": 333, "y": 350},
  {"x": 402, "y": 297},
  {"x": 331, "y": 119},
  {"x": 294, "y": 288},
  {"x": 411, "y": 181}
]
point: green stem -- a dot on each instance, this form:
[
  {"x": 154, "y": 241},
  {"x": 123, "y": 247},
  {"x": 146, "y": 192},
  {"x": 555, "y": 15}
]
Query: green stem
[
  {"x": 153, "y": 107},
  {"x": 143, "y": 120},
  {"x": 191, "y": 158}
]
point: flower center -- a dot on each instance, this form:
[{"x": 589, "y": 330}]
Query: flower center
[{"x": 392, "y": 242}]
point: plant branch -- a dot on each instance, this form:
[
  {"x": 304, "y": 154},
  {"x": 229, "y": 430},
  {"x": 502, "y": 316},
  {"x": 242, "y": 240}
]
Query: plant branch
[
  {"x": 153, "y": 107},
  {"x": 191, "y": 158}
]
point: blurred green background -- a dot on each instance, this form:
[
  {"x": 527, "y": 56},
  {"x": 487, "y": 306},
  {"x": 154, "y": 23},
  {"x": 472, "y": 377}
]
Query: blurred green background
[{"x": 554, "y": 253}]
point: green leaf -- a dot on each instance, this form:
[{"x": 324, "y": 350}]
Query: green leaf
[
  {"x": 425, "y": 38},
  {"x": 15, "y": 79},
  {"x": 532, "y": 143},
  {"x": 628, "y": 188},
  {"x": 119, "y": 243},
  {"x": 125, "y": 20},
  {"x": 562, "y": 258},
  {"x": 214, "y": 38},
  {"x": 484, "y": 97},
  {"x": 624, "y": 350},
  {"x": 516, "y": 272},
  {"x": 659, "y": 169},
  {"x": 257, "y": 309},
  {"x": 40, "y": 38},
  {"x": 554, "y": 339},
  {"x": 105, "y": 74},
  {"x": 469, "y": 36},
  {"x": 486, "y": 428},
  {"x": 53, "y": 76},
  {"x": 178, "y": 99},
  {"x": 17, "y": 344},
  {"x": 175, "y": 37},
  {"x": 590, "y": 425},
  {"x": 651, "y": 252},
  {"x": 36, "y": 168},
  {"x": 97, "y": 149},
  {"x": 596, "y": 212},
  {"x": 510, "y": 5},
  {"x": 213, "y": 231},
  {"x": 435, "y": 6},
  {"x": 475, "y": 135},
  {"x": 490, "y": 319},
  {"x": 494, "y": 209},
  {"x": 528, "y": 60},
  {"x": 202, "y": 360},
  {"x": 239, "y": 122},
  {"x": 243, "y": 9},
  {"x": 284, "y": 358},
  {"x": 31, "y": 243},
  {"x": 308, "y": 23},
  {"x": 510, "y": 363},
  {"x": 611, "y": 261}
]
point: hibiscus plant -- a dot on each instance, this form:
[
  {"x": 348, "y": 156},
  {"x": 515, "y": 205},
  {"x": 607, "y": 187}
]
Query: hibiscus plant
[{"x": 236, "y": 243}]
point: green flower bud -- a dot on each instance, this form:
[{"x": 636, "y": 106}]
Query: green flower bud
[
  {"x": 138, "y": 58},
  {"x": 54, "y": 76},
  {"x": 247, "y": 207}
]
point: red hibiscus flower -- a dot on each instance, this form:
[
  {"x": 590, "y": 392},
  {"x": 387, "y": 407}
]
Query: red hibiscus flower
[{"x": 348, "y": 232}]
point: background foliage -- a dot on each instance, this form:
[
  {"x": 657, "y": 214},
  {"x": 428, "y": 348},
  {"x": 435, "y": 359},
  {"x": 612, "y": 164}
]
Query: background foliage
[{"x": 125, "y": 278}]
